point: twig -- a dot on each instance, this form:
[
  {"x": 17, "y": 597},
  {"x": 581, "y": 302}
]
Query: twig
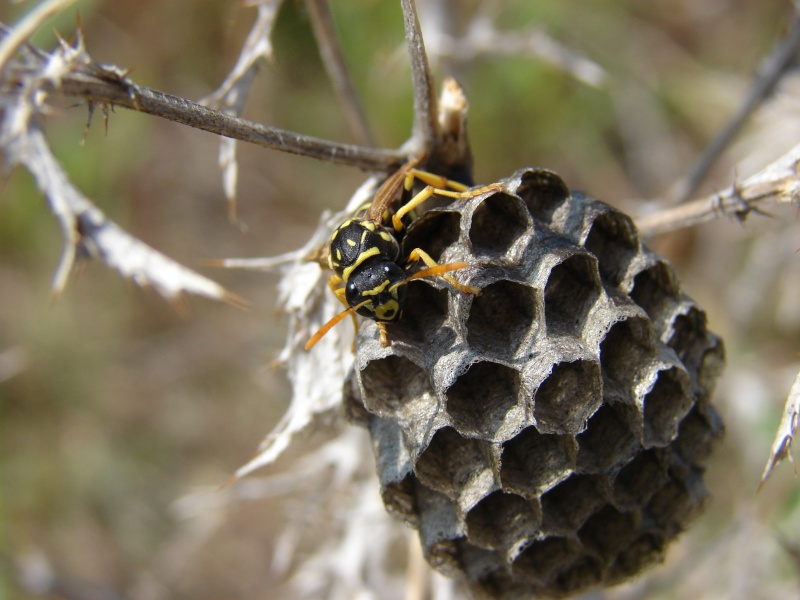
[
  {"x": 771, "y": 72},
  {"x": 14, "y": 39},
  {"x": 777, "y": 183},
  {"x": 331, "y": 53},
  {"x": 195, "y": 115},
  {"x": 426, "y": 126},
  {"x": 484, "y": 39},
  {"x": 102, "y": 84},
  {"x": 232, "y": 95}
]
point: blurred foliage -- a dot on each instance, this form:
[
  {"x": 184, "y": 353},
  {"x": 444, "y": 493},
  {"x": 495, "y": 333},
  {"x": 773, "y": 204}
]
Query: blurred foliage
[{"x": 113, "y": 406}]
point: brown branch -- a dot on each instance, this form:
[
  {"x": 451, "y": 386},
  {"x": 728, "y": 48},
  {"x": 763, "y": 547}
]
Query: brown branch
[
  {"x": 776, "y": 184},
  {"x": 771, "y": 72},
  {"x": 426, "y": 126},
  {"x": 183, "y": 111},
  {"x": 331, "y": 53}
]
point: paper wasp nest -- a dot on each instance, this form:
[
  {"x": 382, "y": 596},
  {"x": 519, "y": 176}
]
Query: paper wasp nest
[{"x": 550, "y": 434}]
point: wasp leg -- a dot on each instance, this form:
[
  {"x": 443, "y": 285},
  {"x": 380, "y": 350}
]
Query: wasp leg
[
  {"x": 384, "y": 338},
  {"x": 436, "y": 181},
  {"x": 333, "y": 285},
  {"x": 420, "y": 254},
  {"x": 431, "y": 190},
  {"x": 339, "y": 292}
]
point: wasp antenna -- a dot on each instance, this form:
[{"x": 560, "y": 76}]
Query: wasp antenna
[
  {"x": 332, "y": 323},
  {"x": 326, "y": 328}
]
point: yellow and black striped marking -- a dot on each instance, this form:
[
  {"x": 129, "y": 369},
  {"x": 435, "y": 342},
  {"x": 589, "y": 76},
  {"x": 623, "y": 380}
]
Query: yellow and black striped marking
[{"x": 364, "y": 252}]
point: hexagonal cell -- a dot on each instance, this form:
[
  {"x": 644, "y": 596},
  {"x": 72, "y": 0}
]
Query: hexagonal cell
[
  {"x": 607, "y": 442},
  {"x": 440, "y": 530},
  {"x": 571, "y": 502},
  {"x": 502, "y": 520},
  {"x": 502, "y": 318},
  {"x": 572, "y": 288},
  {"x": 568, "y": 397},
  {"x": 451, "y": 463},
  {"x": 352, "y": 403},
  {"x": 424, "y": 315},
  {"x": 640, "y": 479},
  {"x": 655, "y": 289},
  {"x": 613, "y": 240},
  {"x": 479, "y": 563},
  {"x": 542, "y": 559},
  {"x": 608, "y": 532},
  {"x": 703, "y": 354},
  {"x": 498, "y": 583},
  {"x": 627, "y": 346},
  {"x": 586, "y": 571},
  {"x": 399, "y": 499},
  {"x": 644, "y": 550},
  {"x": 543, "y": 192},
  {"x": 532, "y": 462},
  {"x": 712, "y": 364},
  {"x": 698, "y": 432},
  {"x": 394, "y": 468},
  {"x": 434, "y": 231},
  {"x": 688, "y": 334},
  {"x": 393, "y": 383},
  {"x": 497, "y": 223},
  {"x": 665, "y": 405},
  {"x": 675, "y": 504},
  {"x": 480, "y": 399}
]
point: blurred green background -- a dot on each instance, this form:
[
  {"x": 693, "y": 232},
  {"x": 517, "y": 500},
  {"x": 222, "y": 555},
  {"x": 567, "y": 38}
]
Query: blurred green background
[{"x": 113, "y": 406}]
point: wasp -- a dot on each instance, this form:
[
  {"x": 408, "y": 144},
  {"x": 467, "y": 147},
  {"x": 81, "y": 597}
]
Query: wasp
[{"x": 364, "y": 251}]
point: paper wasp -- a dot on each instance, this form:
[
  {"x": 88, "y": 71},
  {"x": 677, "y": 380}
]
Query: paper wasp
[{"x": 364, "y": 252}]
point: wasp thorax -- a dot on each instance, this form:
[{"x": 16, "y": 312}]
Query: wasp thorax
[
  {"x": 382, "y": 284},
  {"x": 356, "y": 241}
]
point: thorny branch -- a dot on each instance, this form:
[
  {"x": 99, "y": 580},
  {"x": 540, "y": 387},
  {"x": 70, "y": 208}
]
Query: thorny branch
[
  {"x": 483, "y": 38},
  {"x": 101, "y": 84},
  {"x": 87, "y": 231},
  {"x": 319, "y": 14},
  {"x": 231, "y": 96},
  {"x": 426, "y": 129},
  {"x": 777, "y": 183},
  {"x": 16, "y": 38},
  {"x": 129, "y": 95},
  {"x": 772, "y": 71}
]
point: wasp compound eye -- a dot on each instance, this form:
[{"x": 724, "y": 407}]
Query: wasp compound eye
[{"x": 382, "y": 283}]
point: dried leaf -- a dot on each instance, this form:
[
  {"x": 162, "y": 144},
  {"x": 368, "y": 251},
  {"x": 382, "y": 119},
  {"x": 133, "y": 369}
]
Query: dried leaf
[
  {"x": 316, "y": 376},
  {"x": 232, "y": 94},
  {"x": 87, "y": 231},
  {"x": 782, "y": 446}
]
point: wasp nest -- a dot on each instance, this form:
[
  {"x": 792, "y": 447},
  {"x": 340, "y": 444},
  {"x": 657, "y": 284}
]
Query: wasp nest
[{"x": 549, "y": 434}]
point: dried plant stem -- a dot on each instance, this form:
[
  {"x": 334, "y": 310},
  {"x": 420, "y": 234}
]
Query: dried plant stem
[
  {"x": 331, "y": 52},
  {"x": 195, "y": 115},
  {"x": 774, "y": 68},
  {"x": 778, "y": 183},
  {"x": 426, "y": 126},
  {"x": 16, "y": 37}
]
